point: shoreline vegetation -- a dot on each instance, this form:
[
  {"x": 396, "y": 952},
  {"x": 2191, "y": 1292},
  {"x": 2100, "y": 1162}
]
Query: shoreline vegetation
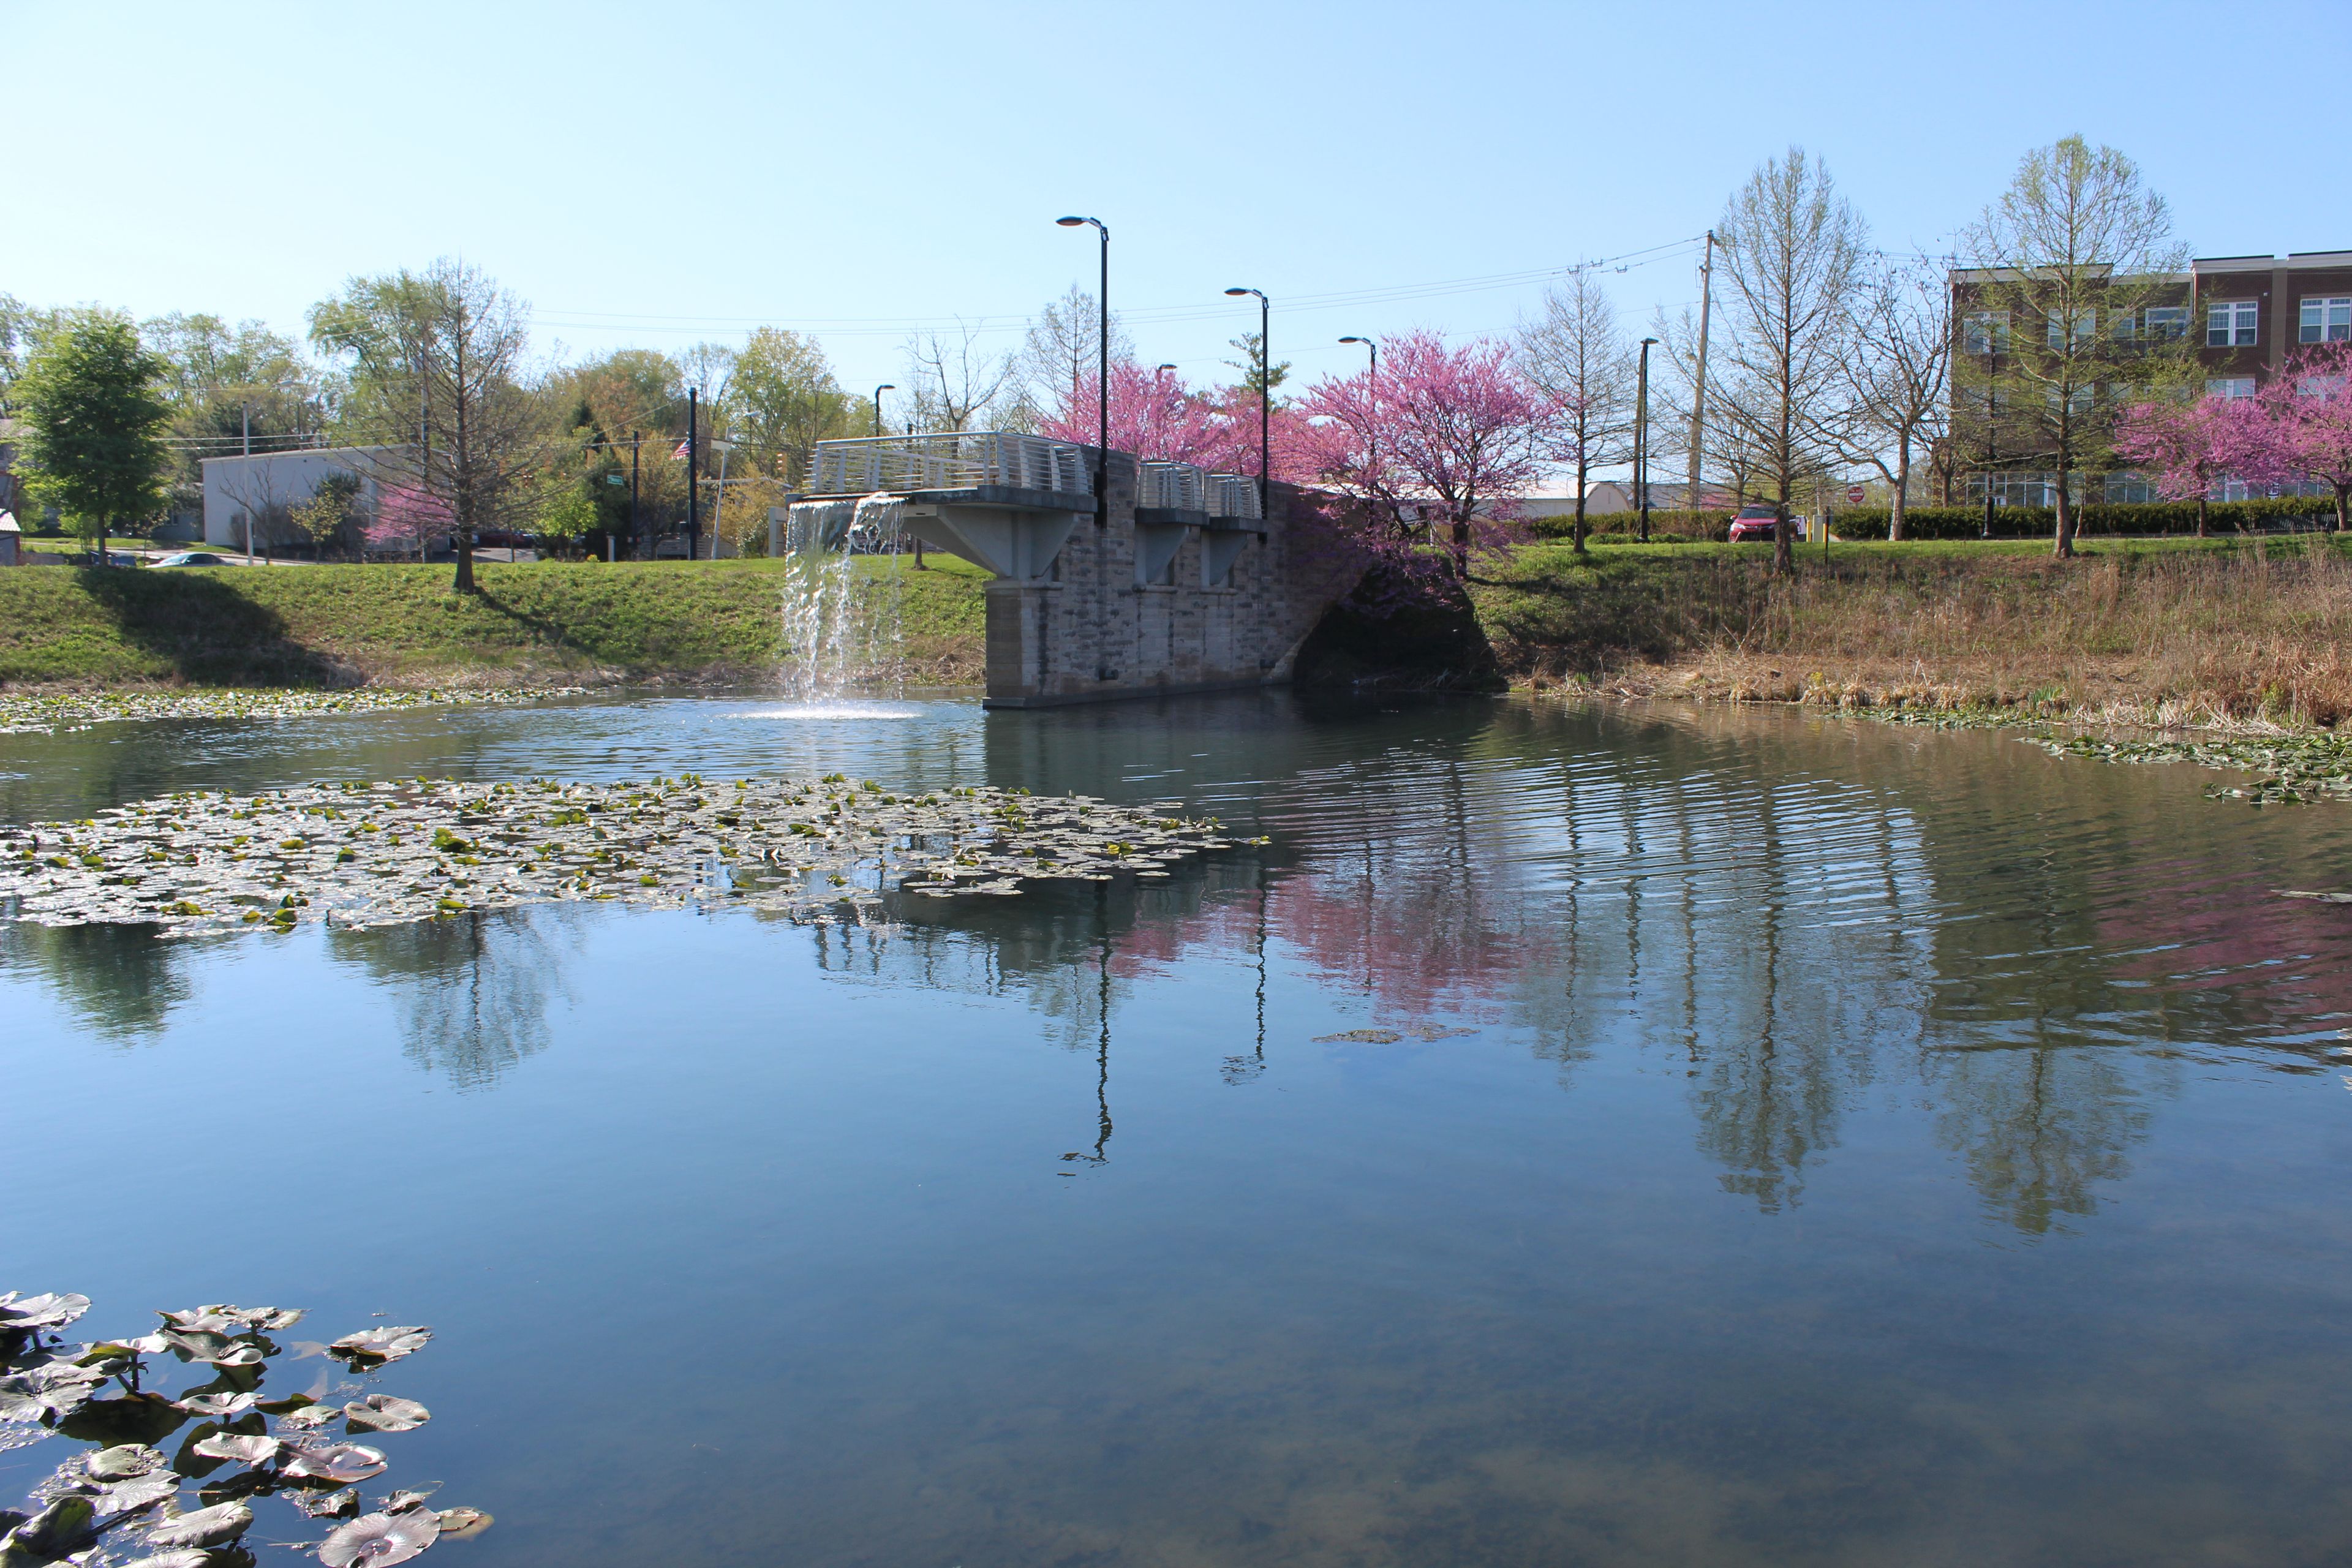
[{"x": 2243, "y": 639}]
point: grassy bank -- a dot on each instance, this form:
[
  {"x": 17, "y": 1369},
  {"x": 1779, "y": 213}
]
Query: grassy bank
[
  {"x": 2171, "y": 632},
  {"x": 544, "y": 623}
]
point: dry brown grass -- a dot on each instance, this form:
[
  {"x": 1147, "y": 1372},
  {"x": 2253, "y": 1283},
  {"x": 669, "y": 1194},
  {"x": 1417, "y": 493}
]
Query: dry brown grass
[{"x": 2245, "y": 636}]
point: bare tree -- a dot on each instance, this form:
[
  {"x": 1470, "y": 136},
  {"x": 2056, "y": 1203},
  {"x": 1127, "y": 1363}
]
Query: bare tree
[
  {"x": 1575, "y": 354},
  {"x": 436, "y": 364},
  {"x": 1791, "y": 247},
  {"x": 1061, "y": 353},
  {"x": 2067, "y": 261},
  {"x": 1896, "y": 383},
  {"x": 954, "y": 380}
]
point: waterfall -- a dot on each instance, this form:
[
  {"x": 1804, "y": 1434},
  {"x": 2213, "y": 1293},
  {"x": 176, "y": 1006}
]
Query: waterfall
[{"x": 842, "y": 627}]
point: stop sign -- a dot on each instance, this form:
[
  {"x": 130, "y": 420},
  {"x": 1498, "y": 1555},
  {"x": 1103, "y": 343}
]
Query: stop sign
[{"x": 1854, "y": 495}]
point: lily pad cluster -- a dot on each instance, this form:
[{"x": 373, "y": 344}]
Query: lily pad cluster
[
  {"x": 121, "y": 1494},
  {"x": 2290, "y": 769},
  {"x": 22, "y": 713},
  {"x": 388, "y": 853}
]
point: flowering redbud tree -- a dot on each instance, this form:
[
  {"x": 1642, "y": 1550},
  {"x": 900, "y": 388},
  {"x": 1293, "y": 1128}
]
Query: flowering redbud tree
[
  {"x": 2306, "y": 425},
  {"x": 405, "y": 517},
  {"x": 2185, "y": 447},
  {"x": 1452, "y": 433}
]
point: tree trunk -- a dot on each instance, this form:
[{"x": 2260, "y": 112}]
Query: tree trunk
[
  {"x": 1784, "y": 553},
  {"x": 1462, "y": 548},
  {"x": 2065, "y": 508},
  {"x": 2343, "y": 508},
  {"x": 1582, "y": 472},
  {"x": 2204, "y": 529},
  {"x": 1902, "y": 490}
]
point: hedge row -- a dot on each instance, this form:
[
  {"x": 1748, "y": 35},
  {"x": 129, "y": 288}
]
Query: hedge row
[{"x": 1968, "y": 522}]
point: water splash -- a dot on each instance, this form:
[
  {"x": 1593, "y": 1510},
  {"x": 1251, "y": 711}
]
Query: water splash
[{"x": 842, "y": 629}]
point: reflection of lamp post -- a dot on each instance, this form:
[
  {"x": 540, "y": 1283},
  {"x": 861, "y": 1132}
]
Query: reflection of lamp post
[
  {"x": 1265, "y": 400},
  {"x": 1102, "y": 373},
  {"x": 885, "y": 386},
  {"x": 1372, "y": 430},
  {"x": 1641, "y": 439},
  {"x": 718, "y": 506}
]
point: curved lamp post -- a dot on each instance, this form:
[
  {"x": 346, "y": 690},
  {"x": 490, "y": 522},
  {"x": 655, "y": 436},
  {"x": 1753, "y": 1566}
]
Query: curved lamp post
[
  {"x": 885, "y": 386},
  {"x": 1102, "y": 373},
  {"x": 1265, "y": 400},
  {"x": 1642, "y": 440}
]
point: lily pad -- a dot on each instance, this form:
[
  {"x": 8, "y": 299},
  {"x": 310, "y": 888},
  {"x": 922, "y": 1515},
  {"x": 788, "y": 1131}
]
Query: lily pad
[
  {"x": 219, "y": 1406},
  {"x": 215, "y": 1526},
  {"x": 373, "y": 1347},
  {"x": 54, "y": 1310},
  {"x": 123, "y": 1461},
  {"x": 338, "y": 1462},
  {"x": 246, "y": 1449},
  {"x": 181, "y": 1557},
  {"x": 64, "y": 1526},
  {"x": 464, "y": 1523},
  {"x": 328, "y": 1505},
  {"x": 383, "y": 1412},
  {"x": 381, "y": 1539}
]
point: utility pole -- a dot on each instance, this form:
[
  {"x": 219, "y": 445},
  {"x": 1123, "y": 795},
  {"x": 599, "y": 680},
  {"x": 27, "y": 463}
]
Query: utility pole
[
  {"x": 1642, "y": 439},
  {"x": 245, "y": 412},
  {"x": 632, "y": 492},
  {"x": 693, "y": 453},
  {"x": 1698, "y": 396}
]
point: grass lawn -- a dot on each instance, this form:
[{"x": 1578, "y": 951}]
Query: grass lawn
[{"x": 533, "y": 622}]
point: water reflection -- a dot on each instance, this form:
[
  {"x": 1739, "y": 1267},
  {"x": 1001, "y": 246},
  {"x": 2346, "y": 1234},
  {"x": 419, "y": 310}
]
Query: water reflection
[
  {"x": 476, "y": 993},
  {"x": 121, "y": 983}
]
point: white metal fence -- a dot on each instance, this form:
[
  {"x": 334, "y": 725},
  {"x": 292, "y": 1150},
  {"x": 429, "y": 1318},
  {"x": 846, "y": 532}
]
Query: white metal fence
[
  {"x": 952, "y": 461},
  {"x": 1181, "y": 487},
  {"x": 1234, "y": 496}
]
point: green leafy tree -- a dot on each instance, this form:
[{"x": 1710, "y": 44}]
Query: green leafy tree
[
  {"x": 231, "y": 387},
  {"x": 570, "y": 513},
  {"x": 94, "y": 419},
  {"x": 783, "y": 399},
  {"x": 332, "y": 509},
  {"x": 2068, "y": 261}
]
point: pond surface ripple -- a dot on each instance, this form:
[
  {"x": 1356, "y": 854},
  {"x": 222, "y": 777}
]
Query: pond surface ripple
[{"x": 1610, "y": 1135}]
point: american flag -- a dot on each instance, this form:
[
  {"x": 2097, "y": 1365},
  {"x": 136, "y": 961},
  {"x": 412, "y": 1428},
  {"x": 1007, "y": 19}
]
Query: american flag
[{"x": 683, "y": 451}]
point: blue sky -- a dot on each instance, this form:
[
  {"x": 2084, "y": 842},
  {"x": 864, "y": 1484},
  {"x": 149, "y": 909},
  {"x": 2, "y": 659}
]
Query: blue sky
[{"x": 658, "y": 175}]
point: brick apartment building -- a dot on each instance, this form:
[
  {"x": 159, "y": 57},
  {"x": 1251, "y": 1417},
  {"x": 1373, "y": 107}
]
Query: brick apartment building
[{"x": 2246, "y": 315}]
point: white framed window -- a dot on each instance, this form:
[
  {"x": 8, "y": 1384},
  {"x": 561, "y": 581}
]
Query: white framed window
[
  {"x": 2078, "y": 400},
  {"x": 2319, "y": 386},
  {"x": 1985, "y": 333},
  {"x": 2230, "y": 386},
  {"x": 2232, "y": 323},
  {"x": 2128, "y": 489},
  {"x": 2325, "y": 319},
  {"x": 2123, "y": 325},
  {"x": 2165, "y": 323},
  {"x": 2085, "y": 322}
]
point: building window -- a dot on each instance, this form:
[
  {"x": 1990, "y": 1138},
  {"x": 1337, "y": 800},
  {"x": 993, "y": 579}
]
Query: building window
[
  {"x": 2165, "y": 323},
  {"x": 2230, "y": 386},
  {"x": 2129, "y": 489},
  {"x": 2232, "y": 323},
  {"x": 2085, "y": 322},
  {"x": 1985, "y": 333},
  {"x": 2325, "y": 321},
  {"x": 2328, "y": 386}
]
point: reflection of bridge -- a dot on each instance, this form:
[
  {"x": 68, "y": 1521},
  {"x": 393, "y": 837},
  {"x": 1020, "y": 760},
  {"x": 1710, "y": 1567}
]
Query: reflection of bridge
[{"x": 1179, "y": 583}]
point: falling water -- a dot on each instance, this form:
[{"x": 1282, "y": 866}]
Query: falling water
[{"x": 842, "y": 628}]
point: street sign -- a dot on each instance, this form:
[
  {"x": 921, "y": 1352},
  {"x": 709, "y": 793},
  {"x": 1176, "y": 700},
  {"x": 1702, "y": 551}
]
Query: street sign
[{"x": 1853, "y": 494}]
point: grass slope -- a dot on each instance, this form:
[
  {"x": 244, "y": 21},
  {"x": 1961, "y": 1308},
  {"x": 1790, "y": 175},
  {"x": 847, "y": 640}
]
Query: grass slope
[
  {"x": 318, "y": 626},
  {"x": 2169, "y": 630}
]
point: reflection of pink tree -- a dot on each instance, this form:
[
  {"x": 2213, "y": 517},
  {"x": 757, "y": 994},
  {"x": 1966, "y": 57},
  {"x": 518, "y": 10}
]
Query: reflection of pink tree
[
  {"x": 405, "y": 517},
  {"x": 1454, "y": 431},
  {"x": 2184, "y": 448},
  {"x": 2307, "y": 425}
]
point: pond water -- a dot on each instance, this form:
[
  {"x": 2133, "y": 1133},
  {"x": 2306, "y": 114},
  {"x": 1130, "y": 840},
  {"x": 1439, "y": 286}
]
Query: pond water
[{"x": 1767, "y": 1139}]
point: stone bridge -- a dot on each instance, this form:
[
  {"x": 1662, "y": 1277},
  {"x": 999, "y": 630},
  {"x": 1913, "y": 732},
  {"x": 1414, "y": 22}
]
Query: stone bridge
[{"x": 1177, "y": 584}]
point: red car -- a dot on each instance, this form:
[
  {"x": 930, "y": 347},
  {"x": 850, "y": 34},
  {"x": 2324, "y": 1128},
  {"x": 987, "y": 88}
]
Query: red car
[{"x": 1753, "y": 522}]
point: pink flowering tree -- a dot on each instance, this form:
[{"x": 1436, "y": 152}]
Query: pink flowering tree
[
  {"x": 2307, "y": 425},
  {"x": 2185, "y": 447},
  {"x": 1449, "y": 435},
  {"x": 405, "y": 517}
]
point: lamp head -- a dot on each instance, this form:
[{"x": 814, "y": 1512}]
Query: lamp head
[
  {"x": 1157, "y": 369},
  {"x": 1647, "y": 342},
  {"x": 1069, "y": 222},
  {"x": 885, "y": 386},
  {"x": 1240, "y": 291}
]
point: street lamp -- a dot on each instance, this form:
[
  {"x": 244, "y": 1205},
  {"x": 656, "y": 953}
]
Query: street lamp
[
  {"x": 1265, "y": 401},
  {"x": 885, "y": 386},
  {"x": 1641, "y": 439},
  {"x": 1102, "y": 373},
  {"x": 1372, "y": 438}
]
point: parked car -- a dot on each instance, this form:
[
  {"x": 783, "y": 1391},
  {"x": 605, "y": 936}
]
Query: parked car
[
  {"x": 114, "y": 558},
  {"x": 1753, "y": 522},
  {"x": 192, "y": 558}
]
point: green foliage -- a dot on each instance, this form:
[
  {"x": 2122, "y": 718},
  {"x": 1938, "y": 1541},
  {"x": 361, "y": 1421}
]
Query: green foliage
[
  {"x": 2097, "y": 518},
  {"x": 330, "y": 509},
  {"x": 570, "y": 513},
  {"x": 94, "y": 419}
]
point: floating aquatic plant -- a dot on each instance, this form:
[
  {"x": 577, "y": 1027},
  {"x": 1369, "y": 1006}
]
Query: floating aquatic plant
[
  {"x": 2290, "y": 769},
  {"x": 78, "y": 710},
  {"x": 390, "y": 853},
  {"x": 125, "y": 1495}
]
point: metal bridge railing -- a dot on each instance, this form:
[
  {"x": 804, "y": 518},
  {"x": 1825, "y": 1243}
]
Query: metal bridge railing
[
  {"x": 952, "y": 460},
  {"x": 1234, "y": 496},
  {"x": 1175, "y": 487}
]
